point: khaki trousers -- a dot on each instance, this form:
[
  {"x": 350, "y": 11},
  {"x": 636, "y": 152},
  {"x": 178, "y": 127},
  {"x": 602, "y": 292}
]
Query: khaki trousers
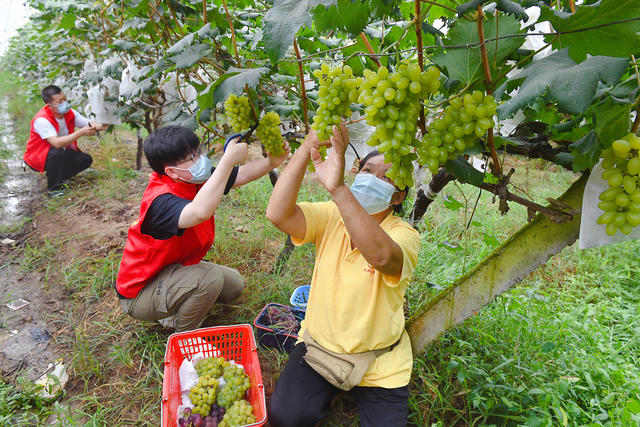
[{"x": 188, "y": 292}]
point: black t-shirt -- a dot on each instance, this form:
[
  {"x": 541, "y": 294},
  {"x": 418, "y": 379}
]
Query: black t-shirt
[{"x": 161, "y": 220}]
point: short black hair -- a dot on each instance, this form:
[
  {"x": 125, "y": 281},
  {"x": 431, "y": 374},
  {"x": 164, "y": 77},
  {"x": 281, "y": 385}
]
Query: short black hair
[
  {"x": 397, "y": 209},
  {"x": 168, "y": 145},
  {"x": 48, "y": 92}
]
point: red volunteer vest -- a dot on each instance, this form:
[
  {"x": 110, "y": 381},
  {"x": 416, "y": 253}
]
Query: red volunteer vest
[
  {"x": 144, "y": 257},
  {"x": 37, "y": 149}
]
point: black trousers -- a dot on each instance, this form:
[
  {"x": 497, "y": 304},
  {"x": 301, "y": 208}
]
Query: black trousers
[
  {"x": 63, "y": 164},
  {"x": 302, "y": 398}
]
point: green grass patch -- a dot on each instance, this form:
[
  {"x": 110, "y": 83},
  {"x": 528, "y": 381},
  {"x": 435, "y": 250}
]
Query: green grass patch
[{"x": 561, "y": 346}]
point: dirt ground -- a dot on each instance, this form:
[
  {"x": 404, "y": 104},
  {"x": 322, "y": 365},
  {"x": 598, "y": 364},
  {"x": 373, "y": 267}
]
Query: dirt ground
[{"x": 33, "y": 338}]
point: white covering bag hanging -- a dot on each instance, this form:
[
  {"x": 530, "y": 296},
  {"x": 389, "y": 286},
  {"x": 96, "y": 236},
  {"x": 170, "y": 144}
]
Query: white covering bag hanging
[
  {"x": 103, "y": 110},
  {"x": 128, "y": 87},
  {"x": 592, "y": 234}
]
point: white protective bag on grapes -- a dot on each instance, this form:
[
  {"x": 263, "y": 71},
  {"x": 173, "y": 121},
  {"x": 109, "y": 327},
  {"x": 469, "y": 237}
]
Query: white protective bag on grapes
[
  {"x": 103, "y": 110},
  {"x": 128, "y": 87},
  {"x": 592, "y": 234}
]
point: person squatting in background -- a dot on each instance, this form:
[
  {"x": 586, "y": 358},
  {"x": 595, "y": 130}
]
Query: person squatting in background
[
  {"x": 162, "y": 275},
  {"x": 365, "y": 257},
  {"x": 52, "y": 146}
]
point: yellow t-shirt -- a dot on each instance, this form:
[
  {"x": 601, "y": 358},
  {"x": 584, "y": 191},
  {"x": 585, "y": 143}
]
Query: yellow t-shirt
[{"x": 352, "y": 307}]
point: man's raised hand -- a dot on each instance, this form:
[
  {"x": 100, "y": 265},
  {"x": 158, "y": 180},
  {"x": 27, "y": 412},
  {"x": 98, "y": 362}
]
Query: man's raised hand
[{"x": 330, "y": 172}]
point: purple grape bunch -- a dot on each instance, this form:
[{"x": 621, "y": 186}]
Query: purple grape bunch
[{"x": 196, "y": 420}]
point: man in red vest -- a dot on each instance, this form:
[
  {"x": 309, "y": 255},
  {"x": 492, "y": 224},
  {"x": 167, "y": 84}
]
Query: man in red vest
[
  {"x": 162, "y": 276},
  {"x": 52, "y": 146}
]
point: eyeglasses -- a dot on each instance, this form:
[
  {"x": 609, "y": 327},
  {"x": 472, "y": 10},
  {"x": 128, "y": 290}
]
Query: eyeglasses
[{"x": 193, "y": 156}]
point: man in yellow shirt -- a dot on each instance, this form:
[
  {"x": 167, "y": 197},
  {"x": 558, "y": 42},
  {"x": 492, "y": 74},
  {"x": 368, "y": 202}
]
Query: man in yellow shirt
[{"x": 365, "y": 257}]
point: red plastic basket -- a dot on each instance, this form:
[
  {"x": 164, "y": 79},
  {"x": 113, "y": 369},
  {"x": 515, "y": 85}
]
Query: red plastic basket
[{"x": 235, "y": 342}]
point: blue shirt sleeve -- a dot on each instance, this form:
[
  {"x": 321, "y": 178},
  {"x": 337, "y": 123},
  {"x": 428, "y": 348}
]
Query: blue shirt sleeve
[{"x": 161, "y": 220}]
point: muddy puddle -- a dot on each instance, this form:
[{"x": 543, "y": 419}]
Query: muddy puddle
[
  {"x": 18, "y": 187},
  {"x": 26, "y": 334}
]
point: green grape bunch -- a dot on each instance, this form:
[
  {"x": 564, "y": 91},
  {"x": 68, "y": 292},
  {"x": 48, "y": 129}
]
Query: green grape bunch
[
  {"x": 214, "y": 366},
  {"x": 392, "y": 101},
  {"x": 462, "y": 122},
  {"x": 268, "y": 132},
  {"x": 204, "y": 394},
  {"x": 621, "y": 201},
  {"x": 337, "y": 91},
  {"x": 239, "y": 414},
  {"x": 238, "y": 112},
  {"x": 236, "y": 384}
]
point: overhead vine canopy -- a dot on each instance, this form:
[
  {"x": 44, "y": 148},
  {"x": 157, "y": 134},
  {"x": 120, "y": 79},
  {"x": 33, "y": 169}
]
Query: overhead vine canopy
[{"x": 566, "y": 72}]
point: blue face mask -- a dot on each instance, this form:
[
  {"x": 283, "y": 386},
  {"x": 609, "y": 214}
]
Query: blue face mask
[
  {"x": 200, "y": 170},
  {"x": 64, "y": 107},
  {"x": 372, "y": 193}
]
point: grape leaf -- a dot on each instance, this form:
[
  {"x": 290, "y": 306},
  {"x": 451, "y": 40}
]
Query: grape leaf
[
  {"x": 282, "y": 22},
  {"x": 619, "y": 40},
  {"x": 586, "y": 152},
  {"x": 512, "y": 8},
  {"x": 611, "y": 121},
  {"x": 348, "y": 15},
  {"x": 451, "y": 203},
  {"x": 557, "y": 77},
  {"x": 470, "y": 5},
  {"x": 234, "y": 80},
  {"x": 68, "y": 21},
  {"x": 190, "y": 55},
  {"x": 465, "y": 64},
  {"x": 181, "y": 44},
  {"x": 123, "y": 44},
  {"x": 463, "y": 171}
]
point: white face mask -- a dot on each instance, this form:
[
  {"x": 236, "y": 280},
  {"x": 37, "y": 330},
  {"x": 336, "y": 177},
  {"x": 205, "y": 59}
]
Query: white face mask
[
  {"x": 373, "y": 193},
  {"x": 200, "y": 170}
]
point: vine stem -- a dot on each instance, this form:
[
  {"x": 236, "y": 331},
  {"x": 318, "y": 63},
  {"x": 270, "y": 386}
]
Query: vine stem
[
  {"x": 497, "y": 170},
  {"x": 572, "y": 6},
  {"x": 233, "y": 32},
  {"x": 418, "y": 20},
  {"x": 355, "y": 121},
  {"x": 365, "y": 40},
  {"x": 175, "y": 18},
  {"x": 554, "y": 215},
  {"x": 441, "y": 5},
  {"x": 303, "y": 91},
  {"x": 204, "y": 11}
]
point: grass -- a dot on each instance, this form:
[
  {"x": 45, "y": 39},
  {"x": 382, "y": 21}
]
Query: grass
[{"x": 560, "y": 348}]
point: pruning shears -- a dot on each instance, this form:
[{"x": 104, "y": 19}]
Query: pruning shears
[{"x": 244, "y": 137}]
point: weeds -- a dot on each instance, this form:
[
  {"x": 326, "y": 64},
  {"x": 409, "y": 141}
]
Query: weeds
[{"x": 562, "y": 347}]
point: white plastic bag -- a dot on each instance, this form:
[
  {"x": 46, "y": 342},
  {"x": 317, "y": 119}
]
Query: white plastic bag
[
  {"x": 103, "y": 110},
  {"x": 128, "y": 87},
  {"x": 592, "y": 234}
]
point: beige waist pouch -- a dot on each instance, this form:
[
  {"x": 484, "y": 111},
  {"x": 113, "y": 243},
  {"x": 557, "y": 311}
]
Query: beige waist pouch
[{"x": 342, "y": 370}]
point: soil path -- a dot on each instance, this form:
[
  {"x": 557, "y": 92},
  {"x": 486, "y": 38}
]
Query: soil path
[{"x": 25, "y": 335}]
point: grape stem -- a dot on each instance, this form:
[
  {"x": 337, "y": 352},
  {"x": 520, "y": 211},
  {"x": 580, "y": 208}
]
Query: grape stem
[
  {"x": 204, "y": 11},
  {"x": 418, "y": 21},
  {"x": 355, "y": 120},
  {"x": 365, "y": 40},
  {"x": 303, "y": 91},
  {"x": 233, "y": 32}
]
